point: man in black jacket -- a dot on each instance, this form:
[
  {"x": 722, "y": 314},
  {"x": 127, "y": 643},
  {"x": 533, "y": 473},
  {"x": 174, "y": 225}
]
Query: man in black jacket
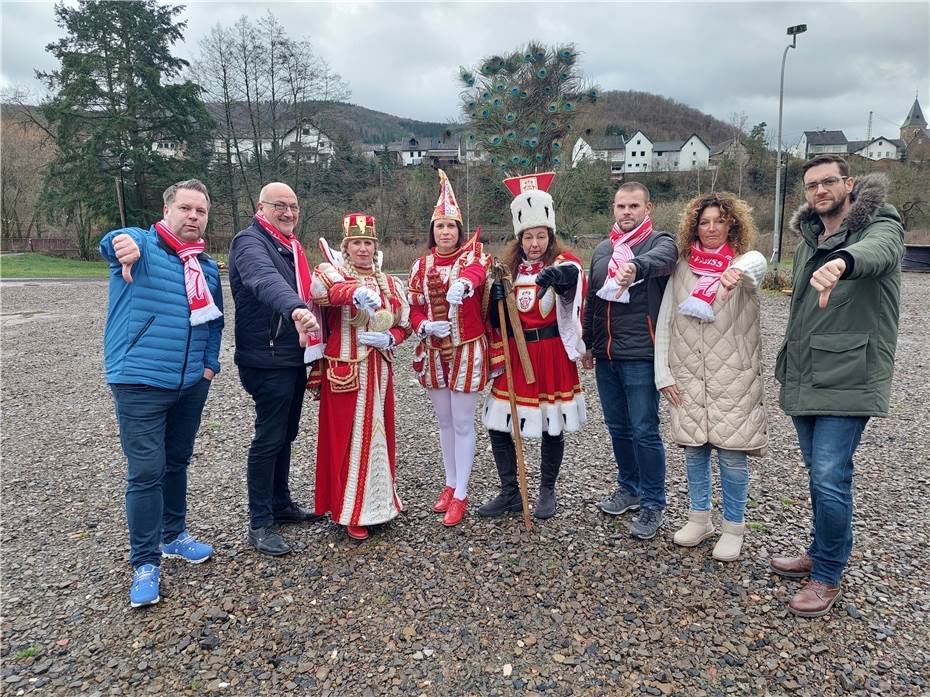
[
  {"x": 628, "y": 275},
  {"x": 265, "y": 263}
]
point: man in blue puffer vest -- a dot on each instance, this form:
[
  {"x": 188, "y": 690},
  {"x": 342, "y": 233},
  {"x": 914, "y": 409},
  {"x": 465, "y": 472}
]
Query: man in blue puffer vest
[{"x": 161, "y": 350}]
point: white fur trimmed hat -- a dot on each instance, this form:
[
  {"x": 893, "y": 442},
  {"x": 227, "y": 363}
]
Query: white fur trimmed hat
[{"x": 533, "y": 206}]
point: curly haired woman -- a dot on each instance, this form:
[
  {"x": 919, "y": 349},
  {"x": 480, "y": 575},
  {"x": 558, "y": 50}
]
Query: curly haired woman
[{"x": 708, "y": 361}]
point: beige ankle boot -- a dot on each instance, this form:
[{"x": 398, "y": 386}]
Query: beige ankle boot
[
  {"x": 696, "y": 530},
  {"x": 730, "y": 543}
]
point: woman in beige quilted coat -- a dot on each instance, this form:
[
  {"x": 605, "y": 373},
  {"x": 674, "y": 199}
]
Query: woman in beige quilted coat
[{"x": 708, "y": 361}]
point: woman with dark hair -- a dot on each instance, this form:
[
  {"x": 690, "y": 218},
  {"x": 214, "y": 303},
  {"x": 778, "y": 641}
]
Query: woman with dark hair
[
  {"x": 708, "y": 361},
  {"x": 447, "y": 305},
  {"x": 549, "y": 286},
  {"x": 365, "y": 314}
]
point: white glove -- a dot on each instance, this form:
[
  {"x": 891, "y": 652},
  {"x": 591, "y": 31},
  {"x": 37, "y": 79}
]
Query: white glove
[
  {"x": 378, "y": 340},
  {"x": 458, "y": 291},
  {"x": 440, "y": 329},
  {"x": 366, "y": 299}
]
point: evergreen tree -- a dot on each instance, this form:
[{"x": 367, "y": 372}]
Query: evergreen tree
[{"x": 112, "y": 99}]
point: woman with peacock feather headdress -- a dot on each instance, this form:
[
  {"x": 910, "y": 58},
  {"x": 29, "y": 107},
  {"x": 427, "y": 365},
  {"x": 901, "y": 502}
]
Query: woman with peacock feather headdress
[{"x": 447, "y": 298}]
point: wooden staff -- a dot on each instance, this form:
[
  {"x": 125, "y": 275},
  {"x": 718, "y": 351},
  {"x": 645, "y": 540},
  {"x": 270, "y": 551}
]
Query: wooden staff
[
  {"x": 502, "y": 276},
  {"x": 515, "y": 420}
]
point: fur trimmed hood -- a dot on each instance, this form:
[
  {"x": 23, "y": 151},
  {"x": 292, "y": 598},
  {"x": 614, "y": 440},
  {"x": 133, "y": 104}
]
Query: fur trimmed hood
[{"x": 868, "y": 195}]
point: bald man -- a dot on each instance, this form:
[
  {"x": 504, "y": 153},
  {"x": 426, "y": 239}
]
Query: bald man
[{"x": 269, "y": 278}]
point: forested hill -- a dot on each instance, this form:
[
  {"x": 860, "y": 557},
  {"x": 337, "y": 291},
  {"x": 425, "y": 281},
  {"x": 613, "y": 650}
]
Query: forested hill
[
  {"x": 660, "y": 118},
  {"x": 359, "y": 124}
]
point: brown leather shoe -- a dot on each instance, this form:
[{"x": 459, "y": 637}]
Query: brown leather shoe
[
  {"x": 814, "y": 599},
  {"x": 792, "y": 567}
]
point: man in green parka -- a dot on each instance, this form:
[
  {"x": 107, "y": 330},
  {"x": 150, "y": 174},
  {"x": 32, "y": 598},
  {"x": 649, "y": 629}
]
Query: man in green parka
[{"x": 837, "y": 359}]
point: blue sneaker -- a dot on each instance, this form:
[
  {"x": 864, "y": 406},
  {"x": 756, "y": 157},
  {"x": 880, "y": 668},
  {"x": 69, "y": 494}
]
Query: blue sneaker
[
  {"x": 188, "y": 549},
  {"x": 144, "y": 590}
]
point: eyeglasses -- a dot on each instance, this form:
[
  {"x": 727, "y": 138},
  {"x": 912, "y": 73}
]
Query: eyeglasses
[
  {"x": 826, "y": 183},
  {"x": 281, "y": 207}
]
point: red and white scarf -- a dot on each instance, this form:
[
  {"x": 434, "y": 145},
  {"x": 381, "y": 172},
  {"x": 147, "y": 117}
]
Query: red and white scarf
[
  {"x": 312, "y": 341},
  {"x": 709, "y": 265},
  {"x": 623, "y": 243},
  {"x": 199, "y": 299}
]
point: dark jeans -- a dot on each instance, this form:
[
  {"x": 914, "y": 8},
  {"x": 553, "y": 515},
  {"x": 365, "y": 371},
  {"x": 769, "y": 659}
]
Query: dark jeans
[
  {"x": 157, "y": 429},
  {"x": 279, "y": 396},
  {"x": 827, "y": 446},
  {"x": 630, "y": 402}
]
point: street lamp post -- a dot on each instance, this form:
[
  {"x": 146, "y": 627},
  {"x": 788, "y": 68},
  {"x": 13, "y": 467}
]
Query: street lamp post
[{"x": 776, "y": 232}]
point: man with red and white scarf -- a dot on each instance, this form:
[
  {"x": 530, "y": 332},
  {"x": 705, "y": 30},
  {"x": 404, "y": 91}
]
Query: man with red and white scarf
[
  {"x": 277, "y": 334},
  {"x": 627, "y": 278},
  {"x": 161, "y": 351}
]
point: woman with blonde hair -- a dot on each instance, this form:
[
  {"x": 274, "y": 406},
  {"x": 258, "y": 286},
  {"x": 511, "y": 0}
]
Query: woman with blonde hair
[{"x": 708, "y": 361}]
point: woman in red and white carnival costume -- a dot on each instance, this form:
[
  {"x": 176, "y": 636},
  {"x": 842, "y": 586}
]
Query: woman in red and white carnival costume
[
  {"x": 447, "y": 311},
  {"x": 549, "y": 285},
  {"x": 365, "y": 315}
]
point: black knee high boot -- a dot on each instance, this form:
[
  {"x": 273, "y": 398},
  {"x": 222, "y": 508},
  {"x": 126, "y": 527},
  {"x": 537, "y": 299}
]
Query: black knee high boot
[
  {"x": 553, "y": 448},
  {"x": 505, "y": 456}
]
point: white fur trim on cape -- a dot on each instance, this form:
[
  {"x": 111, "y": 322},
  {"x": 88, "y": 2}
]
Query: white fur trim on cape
[{"x": 558, "y": 417}]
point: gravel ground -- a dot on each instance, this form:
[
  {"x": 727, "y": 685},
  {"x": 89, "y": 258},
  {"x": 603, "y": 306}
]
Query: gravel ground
[{"x": 575, "y": 607}]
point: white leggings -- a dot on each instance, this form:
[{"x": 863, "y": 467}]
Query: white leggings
[{"x": 455, "y": 412}]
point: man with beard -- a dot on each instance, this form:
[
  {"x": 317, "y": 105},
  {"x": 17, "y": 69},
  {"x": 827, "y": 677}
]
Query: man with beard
[
  {"x": 836, "y": 362},
  {"x": 628, "y": 275}
]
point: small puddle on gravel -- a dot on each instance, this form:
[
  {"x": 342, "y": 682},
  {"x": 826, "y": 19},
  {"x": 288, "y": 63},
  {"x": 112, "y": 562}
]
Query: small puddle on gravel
[{"x": 12, "y": 318}]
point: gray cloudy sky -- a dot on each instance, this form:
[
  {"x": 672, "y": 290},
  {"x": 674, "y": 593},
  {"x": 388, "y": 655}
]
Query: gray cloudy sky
[{"x": 721, "y": 57}]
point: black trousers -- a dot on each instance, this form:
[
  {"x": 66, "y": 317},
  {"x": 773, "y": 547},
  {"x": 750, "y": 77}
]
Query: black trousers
[{"x": 279, "y": 396}]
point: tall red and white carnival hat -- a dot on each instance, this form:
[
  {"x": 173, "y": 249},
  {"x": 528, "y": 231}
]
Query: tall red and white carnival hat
[{"x": 446, "y": 204}]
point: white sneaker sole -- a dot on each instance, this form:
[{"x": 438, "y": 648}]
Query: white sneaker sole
[
  {"x": 165, "y": 555},
  {"x": 151, "y": 602}
]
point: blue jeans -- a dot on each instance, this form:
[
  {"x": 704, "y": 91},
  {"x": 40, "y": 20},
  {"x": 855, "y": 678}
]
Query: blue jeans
[
  {"x": 630, "y": 403},
  {"x": 827, "y": 446},
  {"x": 157, "y": 429},
  {"x": 734, "y": 480},
  {"x": 279, "y": 396}
]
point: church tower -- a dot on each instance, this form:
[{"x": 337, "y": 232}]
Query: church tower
[
  {"x": 914, "y": 134},
  {"x": 915, "y": 121}
]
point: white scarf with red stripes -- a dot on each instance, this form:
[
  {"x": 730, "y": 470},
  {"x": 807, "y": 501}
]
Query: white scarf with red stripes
[
  {"x": 623, "y": 243},
  {"x": 709, "y": 265},
  {"x": 199, "y": 299}
]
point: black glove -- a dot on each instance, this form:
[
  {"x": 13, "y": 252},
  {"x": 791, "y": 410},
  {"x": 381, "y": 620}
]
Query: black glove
[
  {"x": 496, "y": 295},
  {"x": 563, "y": 278}
]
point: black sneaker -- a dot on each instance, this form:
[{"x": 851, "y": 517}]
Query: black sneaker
[
  {"x": 267, "y": 541},
  {"x": 295, "y": 514},
  {"x": 647, "y": 523},
  {"x": 619, "y": 502}
]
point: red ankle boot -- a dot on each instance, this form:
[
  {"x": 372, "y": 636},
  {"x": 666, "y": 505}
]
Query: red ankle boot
[
  {"x": 442, "y": 503},
  {"x": 457, "y": 509},
  {"x": 357, "y": 532}
]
